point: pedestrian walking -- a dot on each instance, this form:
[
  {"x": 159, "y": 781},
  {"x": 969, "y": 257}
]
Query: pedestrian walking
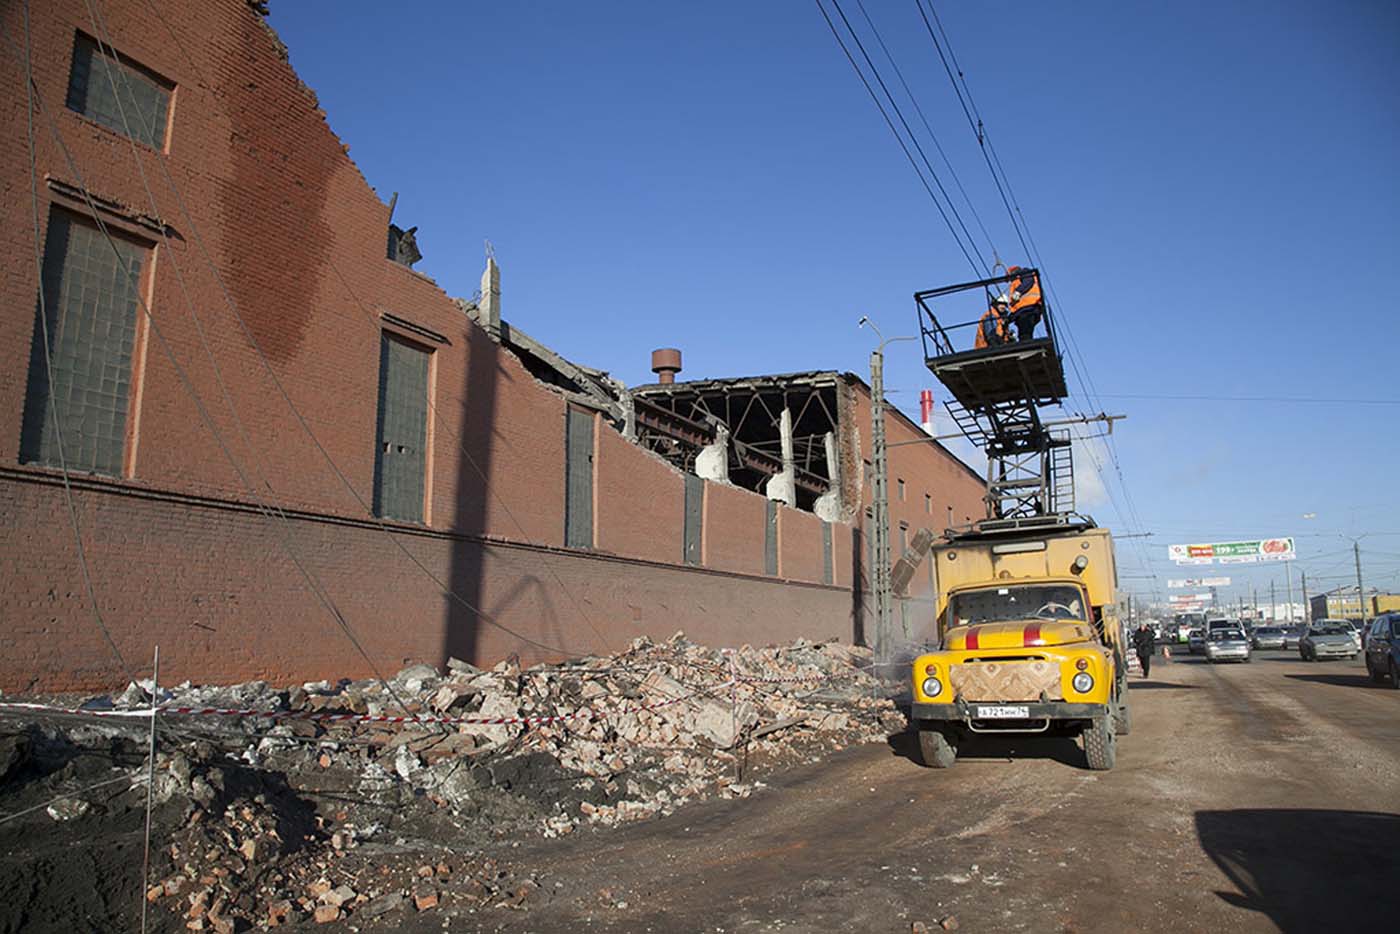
[{"x": 1145, "y": 643}]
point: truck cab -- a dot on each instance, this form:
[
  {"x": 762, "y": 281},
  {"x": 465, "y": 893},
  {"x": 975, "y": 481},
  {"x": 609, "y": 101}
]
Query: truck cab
[{"x": 1029, "y": 642}]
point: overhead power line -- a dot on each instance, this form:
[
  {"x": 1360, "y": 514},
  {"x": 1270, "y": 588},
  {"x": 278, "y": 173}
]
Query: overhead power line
[{"x": 968, "y": 248}]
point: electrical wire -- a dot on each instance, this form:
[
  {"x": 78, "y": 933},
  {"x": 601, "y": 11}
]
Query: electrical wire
[
  {"x": 899, "y": 139},
  {"x": 948, "y": 163}
]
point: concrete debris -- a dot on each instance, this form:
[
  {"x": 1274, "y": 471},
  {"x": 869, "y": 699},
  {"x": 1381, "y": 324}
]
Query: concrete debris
[{"x": 300, "y": 821}]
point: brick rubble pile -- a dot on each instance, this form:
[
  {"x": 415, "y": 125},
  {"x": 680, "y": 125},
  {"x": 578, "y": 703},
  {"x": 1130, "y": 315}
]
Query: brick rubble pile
[{"x": 314, "y": 820}]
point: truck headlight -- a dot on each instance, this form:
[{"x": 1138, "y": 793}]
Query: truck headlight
[
  {"x": 932, "y": 687},
  {"x": 1083, "y": 682}
]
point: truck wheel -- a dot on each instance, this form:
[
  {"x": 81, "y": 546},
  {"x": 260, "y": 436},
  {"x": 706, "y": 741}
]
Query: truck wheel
[
  {"x": 1376, "y": 676},
  {"x": 936, "y": 750},
  {"x": 1100, "y": 745},
  {"x": 1394, "y": 675},
  {"x": 1123, "y": 720}
]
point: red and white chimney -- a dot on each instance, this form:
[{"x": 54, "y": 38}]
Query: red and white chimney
[{"x": 926, "y": 410}]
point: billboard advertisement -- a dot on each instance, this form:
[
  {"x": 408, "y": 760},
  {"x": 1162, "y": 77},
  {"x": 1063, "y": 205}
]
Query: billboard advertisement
[
  {"x": 1246, "y": 552},
  {"x": 1179, "y": 583}
]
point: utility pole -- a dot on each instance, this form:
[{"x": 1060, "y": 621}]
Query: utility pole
[
  {"x": 1288, "y": 572},
  {"x": 1360, "y": 593},
  {"x": 1273, "y": 607},
  {"x": 879, "y": 491},
  {"x": 880, "y": 520},
  {"x": 1307, "y": 610}
]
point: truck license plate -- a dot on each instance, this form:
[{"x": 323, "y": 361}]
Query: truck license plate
[{"x": 1003, "y": 713}]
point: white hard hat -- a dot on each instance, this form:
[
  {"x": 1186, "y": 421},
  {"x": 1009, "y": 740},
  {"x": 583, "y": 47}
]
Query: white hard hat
[{"x": 1002, "y": 299}]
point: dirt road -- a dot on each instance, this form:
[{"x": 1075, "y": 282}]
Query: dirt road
[{"x": 1252, "y": 797}]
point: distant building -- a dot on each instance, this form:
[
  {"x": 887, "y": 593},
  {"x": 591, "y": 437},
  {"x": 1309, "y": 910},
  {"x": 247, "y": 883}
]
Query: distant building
[
  {"x": 271, "y": 429},
  {"x": 1342, "y": 604}
]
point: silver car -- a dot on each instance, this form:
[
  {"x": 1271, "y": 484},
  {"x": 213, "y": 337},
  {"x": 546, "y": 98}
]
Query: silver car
[
  {"x": 1269, "y": 637},
  {"x": 1227, "y": 645},
  {"x": 1325, "y": 639}
]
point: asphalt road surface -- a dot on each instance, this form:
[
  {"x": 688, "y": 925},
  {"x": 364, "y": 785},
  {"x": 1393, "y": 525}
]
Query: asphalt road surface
[{"x": 1255, "y": 797}]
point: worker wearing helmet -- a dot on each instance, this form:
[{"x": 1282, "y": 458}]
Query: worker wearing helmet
[
  {"x": 1027, "y": 305},
  {"x": 994, "y": 327}
]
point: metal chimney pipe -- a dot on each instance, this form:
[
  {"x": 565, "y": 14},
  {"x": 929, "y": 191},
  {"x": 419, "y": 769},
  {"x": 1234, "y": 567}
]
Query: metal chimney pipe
[
  {"x": 666, "y": 363},
  {"x": 926, "y": 410}
]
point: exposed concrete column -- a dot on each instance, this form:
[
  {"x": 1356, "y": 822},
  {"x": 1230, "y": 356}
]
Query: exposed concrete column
[
  {"x": 828, "y": 506},
  {"x": 783, "y": 486},
  {"x": 489, "y": 311},
  {"x": 629, "y": 414},
  {"x": 712, "y": 463}
]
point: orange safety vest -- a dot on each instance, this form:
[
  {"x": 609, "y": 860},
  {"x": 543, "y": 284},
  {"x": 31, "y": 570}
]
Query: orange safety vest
[
  {"x": 998, "y": 328},
  {"x": 1024, "y": 290}
]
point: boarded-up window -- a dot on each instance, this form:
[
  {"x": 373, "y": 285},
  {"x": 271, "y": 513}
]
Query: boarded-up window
[
  {"x": 118, "y": 94},
  {"x": 770, "y": 540},
  {"x": 827, "y": 569},
  {"x": 400, "y": 457},
  {"x": 694, "y": 517},
  {"x": 578, "y": 480},
  {"x": 90, "y": 297}
]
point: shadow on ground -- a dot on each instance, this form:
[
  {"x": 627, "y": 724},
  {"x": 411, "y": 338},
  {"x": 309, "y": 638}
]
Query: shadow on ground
[
  {"x": 1158, "y": 686},
  {"x": 1308, "y": 870},
  {"x": 1346, "y": 681},
  {"x": 1062, "y": 749}
]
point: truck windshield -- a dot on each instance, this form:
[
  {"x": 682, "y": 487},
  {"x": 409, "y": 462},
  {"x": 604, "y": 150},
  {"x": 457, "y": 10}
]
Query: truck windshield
[{"x": 994, "y": 604}]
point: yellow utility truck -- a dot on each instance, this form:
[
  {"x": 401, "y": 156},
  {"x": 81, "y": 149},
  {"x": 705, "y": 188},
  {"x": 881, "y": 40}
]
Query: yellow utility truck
[{"x": 1029, "y": 637}]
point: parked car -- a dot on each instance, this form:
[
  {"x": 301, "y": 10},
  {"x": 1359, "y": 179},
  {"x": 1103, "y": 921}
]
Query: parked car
[
  {"x": 1383, "y": 649},
  {"x": 1327, "y": 639},
  {"x": 1269, "y": 637},
  {"x": 1196, "y": 641},
  {"x": 1227, "y": 645}
]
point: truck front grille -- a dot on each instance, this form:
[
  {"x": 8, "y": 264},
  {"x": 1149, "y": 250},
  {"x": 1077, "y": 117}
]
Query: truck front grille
[{"x": 1010, "y": 679}]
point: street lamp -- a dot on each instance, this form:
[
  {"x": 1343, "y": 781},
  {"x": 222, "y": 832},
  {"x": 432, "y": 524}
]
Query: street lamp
[{"x": 880, "y": 505}]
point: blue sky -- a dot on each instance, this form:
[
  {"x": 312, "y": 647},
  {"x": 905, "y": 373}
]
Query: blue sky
[{"x": 1212, "y": 187}]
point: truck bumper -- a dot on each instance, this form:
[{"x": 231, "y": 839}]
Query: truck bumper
[{"x": 967, "y": 711}]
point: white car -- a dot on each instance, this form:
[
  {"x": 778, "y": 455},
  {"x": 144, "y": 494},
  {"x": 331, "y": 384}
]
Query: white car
[
  {"x": 1227, "y": 645},
  {"x": 1345, "y": 624}
]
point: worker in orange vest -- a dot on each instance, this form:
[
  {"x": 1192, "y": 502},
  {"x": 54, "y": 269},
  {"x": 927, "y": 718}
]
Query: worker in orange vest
[
  {"x": 1027, "y": 305},
  {"x": 993, "y": 328}
]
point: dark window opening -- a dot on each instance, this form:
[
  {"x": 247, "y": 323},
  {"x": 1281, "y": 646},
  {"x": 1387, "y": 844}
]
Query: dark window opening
[
  {"x": 770, "y": 540},
  {"x": 694, "y": 517},
  {"x": 119, "y": 94},
  {"x": 400, "y": 462},
  {"x": 90, "y": 296},
  {"x": 578, "y": 480}
]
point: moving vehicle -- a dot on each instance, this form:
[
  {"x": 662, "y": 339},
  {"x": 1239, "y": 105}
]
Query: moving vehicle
[
  {"x": 1383, "y": 649},
  {"x": 1269, "y": 637},
  {"x": 1292, "y": 635},
  {"x": 1221, "y": 622},
  {"x": 1227, "y": 645},
  {"x": 1029, "y": 641},
  {"x": 1327, "y": 639},
  {"x": 1196, "y": 640}
]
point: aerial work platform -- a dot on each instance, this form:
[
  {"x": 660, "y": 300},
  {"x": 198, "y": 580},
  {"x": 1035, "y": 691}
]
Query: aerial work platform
[
  {"x": 998, "y": 391},
  {"x": 1014, "y": 371}
]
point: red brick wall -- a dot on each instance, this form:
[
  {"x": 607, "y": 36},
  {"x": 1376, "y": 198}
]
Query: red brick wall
[
  {"x": 213, "y": 589},
  {"x": 281, "y": 256},
  {"x": 799, "y": 545},
  {"x": 731, "y": 518},
  {"x": 641, "y": 502},
  {"x": 925, "y": 469}
]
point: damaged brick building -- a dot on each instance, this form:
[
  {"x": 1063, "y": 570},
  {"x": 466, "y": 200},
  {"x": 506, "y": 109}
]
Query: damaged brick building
[{"x": 235, "y": 425}]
